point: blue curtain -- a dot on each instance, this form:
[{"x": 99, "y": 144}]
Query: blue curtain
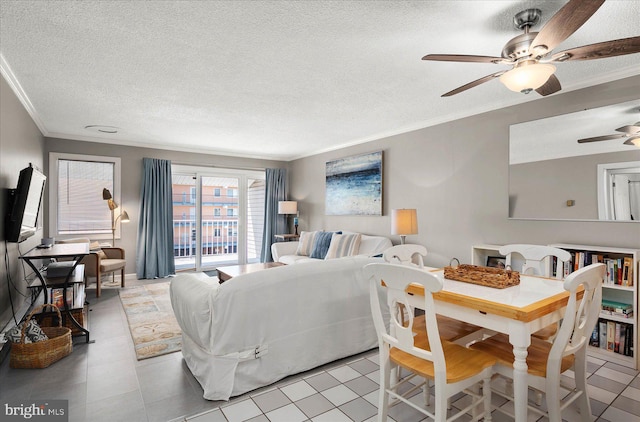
[
  {"x": 154, "y": 258},
  {"x": 274, "y": 223}
]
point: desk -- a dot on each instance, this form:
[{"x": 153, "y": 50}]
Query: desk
[
  {"x": 517, "y": 311},
  {"x": 74, "y": 252}
]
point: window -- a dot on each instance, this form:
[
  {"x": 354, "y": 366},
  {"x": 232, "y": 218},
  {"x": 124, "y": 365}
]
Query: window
[
  {"x": 229, "y": 212},
  {"x": 230, "y": 193},
  {"x": 76, "y": 206},
  {"x": 216, "y": 212},
  {"x": 216, "y": 192}
]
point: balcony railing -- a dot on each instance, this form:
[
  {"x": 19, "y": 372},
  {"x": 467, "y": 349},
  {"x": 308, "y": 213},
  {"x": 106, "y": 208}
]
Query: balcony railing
[{"x": 219, "y": 242}]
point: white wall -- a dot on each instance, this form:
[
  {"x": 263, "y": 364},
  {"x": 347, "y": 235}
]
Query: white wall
[{"x": 456, "y": 175}]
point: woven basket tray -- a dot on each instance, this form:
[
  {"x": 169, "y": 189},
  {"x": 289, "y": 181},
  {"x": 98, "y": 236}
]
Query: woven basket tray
[
  {"x": 42, "y": 353},
  {"x": 485, "y": 276}
]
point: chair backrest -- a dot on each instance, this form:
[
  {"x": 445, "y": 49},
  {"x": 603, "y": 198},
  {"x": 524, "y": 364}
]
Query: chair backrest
[
  {"x": 396, "y": 278},
  {"x": 404, "y": 254},
  {"x": 581, "y": 315},
  {"x": 536, "y": 259}
]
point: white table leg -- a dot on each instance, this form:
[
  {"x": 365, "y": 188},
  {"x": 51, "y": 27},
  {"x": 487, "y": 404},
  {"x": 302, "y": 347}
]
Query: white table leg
[{"x": 520, "y": 339}]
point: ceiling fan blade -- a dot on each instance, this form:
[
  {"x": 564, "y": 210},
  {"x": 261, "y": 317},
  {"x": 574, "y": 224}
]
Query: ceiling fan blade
[
  {"x": 462, "y": 58},
  {"x": 600, "y": 50},
  {"x": 601, "y": 138},
  {"x": 550, "y": 87},
  {"x": 564, "y": 23},
  {"x": 474, "y": 83},
  {"x": 635, "y": 141},
  {"x": 629, "y": 129}
]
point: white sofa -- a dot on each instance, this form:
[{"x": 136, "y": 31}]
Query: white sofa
[
  {"x": 370, "y": 246},
  {"x": 257, "y": 328}
]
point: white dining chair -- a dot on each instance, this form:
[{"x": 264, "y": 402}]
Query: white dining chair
[
  {"x": 547, "y": 361},
  {"x": 408, "y": 254},
  {"x": 451, "y": 367},
  {"x": 450, "y": 329},
  {"x": 538, "y": 261}
]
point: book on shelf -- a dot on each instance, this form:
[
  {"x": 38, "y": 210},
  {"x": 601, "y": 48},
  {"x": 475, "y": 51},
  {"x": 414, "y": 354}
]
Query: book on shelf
[
  {"x": 611, "y": 335},
  {"x": 627, "y": 271},
  {"x": 614, "y": 306},
  {"x": 56, "y": 296},
  {"x": 619, "y": 269},
  {"x": 616, "y": 337},
  {"x": 595, "y": 337},
  {"x": 602, "y": 328}
]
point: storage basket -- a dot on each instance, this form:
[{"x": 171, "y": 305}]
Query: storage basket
[
  {"x": 484, "y": 276},
  {"x": 42, "y": 353}
]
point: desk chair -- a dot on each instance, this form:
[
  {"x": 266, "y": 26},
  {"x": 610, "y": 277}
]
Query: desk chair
[
  {"x": 547, "y": 361},
  {"x": 451, "y": 367}
]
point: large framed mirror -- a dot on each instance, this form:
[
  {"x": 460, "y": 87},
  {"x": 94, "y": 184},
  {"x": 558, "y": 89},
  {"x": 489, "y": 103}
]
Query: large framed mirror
[{"x": 554, "y": 177}]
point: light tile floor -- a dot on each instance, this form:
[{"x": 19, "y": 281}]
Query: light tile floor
[{"x": 103, "y": 381}]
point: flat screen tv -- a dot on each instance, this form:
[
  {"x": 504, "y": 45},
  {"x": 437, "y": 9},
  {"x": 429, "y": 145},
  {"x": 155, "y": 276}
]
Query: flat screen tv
[{"x": 23, "y": 209}]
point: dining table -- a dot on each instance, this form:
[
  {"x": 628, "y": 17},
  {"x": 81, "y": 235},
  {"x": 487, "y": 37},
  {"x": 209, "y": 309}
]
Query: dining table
[{"x": 517, "y": 311}]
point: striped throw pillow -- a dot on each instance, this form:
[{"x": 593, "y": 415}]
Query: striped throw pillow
[
  {"x": 305, "y": 244},
  {"x": 343, "y": 245}
]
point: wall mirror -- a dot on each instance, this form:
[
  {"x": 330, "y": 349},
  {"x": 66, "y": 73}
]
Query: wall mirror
[{"x": 553, "y": 177}]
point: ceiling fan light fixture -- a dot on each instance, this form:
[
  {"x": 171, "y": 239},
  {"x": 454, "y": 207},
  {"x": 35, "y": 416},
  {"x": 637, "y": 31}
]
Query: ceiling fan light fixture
[
  {"x": 633, "y": 141},
  {"x": 526, "y": 77}
]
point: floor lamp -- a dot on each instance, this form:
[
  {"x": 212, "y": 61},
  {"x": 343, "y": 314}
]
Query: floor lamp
[
  {"x": 404, "y": 222},
  {"x": 123, "y": 216}
]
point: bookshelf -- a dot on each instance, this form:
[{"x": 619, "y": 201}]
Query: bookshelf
[
  {"x": 618, "y": 289},
  {"x": 611, "y": 292},
  {"x": 480, "y": 253}
]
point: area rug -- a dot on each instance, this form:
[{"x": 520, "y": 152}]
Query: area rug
[{"x": 153, "y": 325}]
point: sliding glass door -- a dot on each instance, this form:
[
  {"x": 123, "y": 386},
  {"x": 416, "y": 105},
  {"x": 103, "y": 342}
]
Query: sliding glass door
[{"x": 218, "y": 217}]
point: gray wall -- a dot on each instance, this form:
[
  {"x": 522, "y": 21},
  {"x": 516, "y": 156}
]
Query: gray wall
[
  {"x": 131, "y": 167},
  {"x": 20, "y": 144},
  {"x": 456, "y": 175},
  {"x": 541, "y": 189}
]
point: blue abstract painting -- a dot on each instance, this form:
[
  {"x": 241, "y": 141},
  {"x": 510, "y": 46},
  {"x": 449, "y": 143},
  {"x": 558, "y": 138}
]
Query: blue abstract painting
[{"x": 354, "y": 185}]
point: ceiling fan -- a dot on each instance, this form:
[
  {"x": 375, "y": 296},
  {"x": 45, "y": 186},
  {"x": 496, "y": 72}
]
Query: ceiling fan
[
  {"x": 632, "y": 132},
  {"x": 530, "y": 53}
]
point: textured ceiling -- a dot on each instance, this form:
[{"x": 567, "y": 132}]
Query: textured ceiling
[{"x": 272, "y": 79}]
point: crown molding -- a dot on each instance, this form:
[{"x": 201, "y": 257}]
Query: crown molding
[{"x": 15, "y": 86}]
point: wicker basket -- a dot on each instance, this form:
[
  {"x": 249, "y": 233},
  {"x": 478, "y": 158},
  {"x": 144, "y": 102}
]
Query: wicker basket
[
  {"x": 485, "y": 276},
  {"x": 42, "y": 353}
]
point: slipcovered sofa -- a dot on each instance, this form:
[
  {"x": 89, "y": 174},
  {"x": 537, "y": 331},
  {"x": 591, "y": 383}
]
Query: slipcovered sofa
[
  {"x": 289, "y": 252},
  {"x": 259, "y": 327}
]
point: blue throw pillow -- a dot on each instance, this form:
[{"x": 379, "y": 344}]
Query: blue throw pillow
[{"x": 321, "y": 244}]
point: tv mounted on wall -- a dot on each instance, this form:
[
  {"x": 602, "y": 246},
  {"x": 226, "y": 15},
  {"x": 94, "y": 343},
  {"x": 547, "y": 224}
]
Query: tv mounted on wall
[{"x": 21, "y": 221}]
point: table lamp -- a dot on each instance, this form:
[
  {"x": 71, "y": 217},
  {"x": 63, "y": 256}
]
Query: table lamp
[
  {"x": 404, "y": 222},
  {"x": 288, "y": 208}
]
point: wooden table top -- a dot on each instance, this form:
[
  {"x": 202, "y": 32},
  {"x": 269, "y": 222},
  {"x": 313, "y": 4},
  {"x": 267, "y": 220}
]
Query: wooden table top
[
  {"x": 226, "y": 273},
  {"x": 533, "y": 298}
]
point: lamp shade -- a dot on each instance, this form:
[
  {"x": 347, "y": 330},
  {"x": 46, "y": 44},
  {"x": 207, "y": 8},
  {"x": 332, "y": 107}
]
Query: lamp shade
[
  {"x": 287, "y": 207},
  {"x": 124, "y": 217},
  {"x": 404, "y": 221},
  {"x": 527, "y": 77}
]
